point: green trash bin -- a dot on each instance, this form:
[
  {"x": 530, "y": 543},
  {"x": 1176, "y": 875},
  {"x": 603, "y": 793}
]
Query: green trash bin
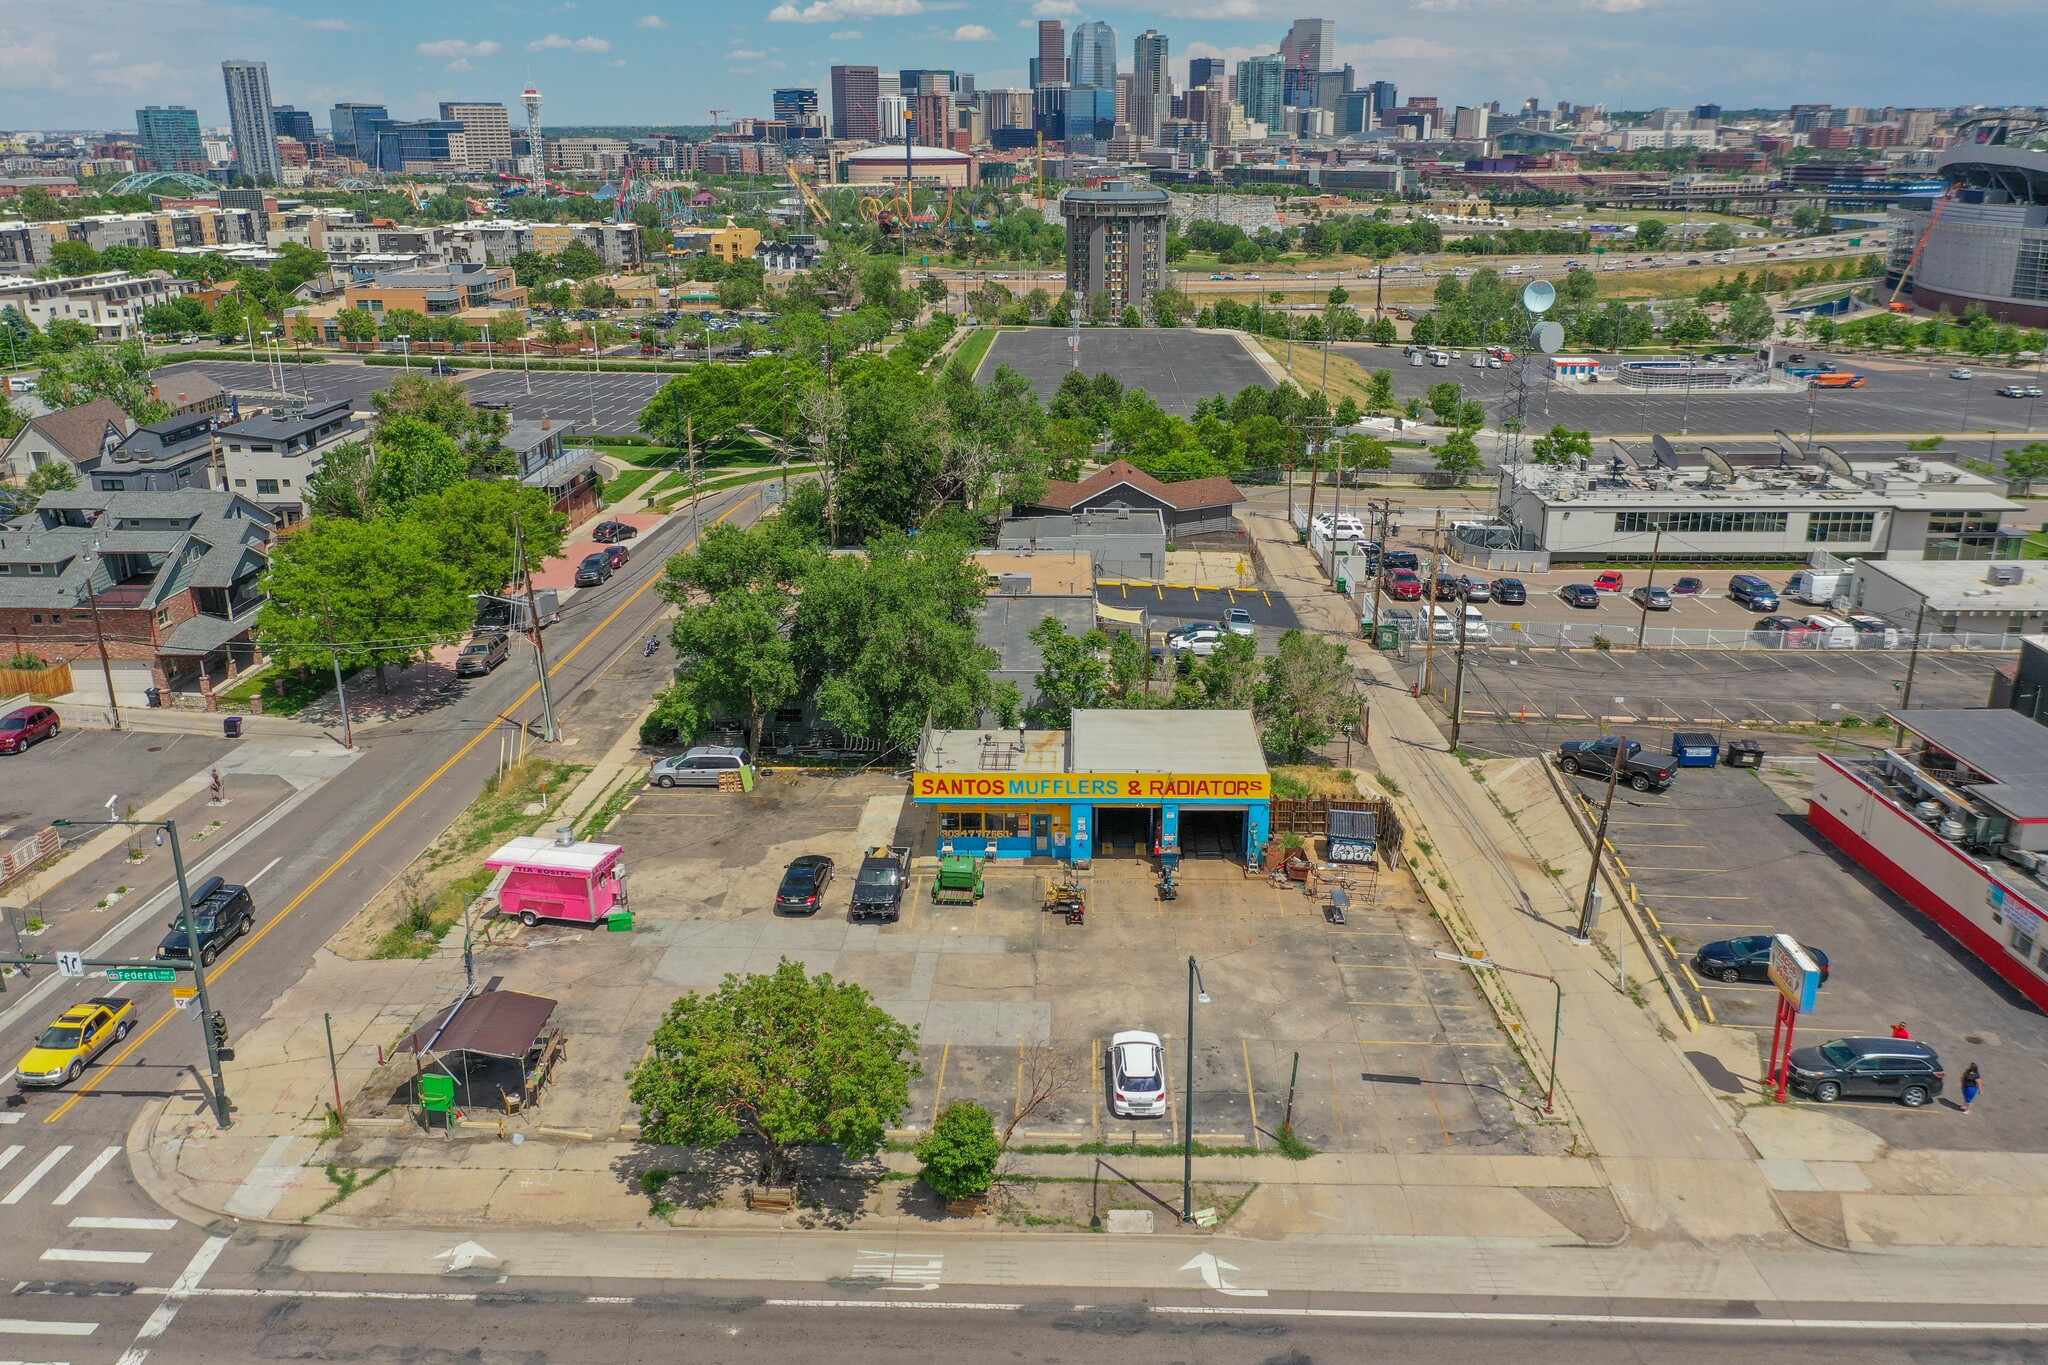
[
  {"x": 437, "y": 1095},
  {"x": 619, "y": 921},
  {"x": 1389, "y": 636}
]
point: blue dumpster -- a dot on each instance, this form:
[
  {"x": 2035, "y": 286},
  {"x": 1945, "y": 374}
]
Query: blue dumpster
[{"x": 1695, "y": 749}]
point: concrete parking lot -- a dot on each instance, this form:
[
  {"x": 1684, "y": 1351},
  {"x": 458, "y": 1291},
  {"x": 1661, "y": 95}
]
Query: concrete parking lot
[
  {"x": 1901, "y": 396},
  {"x": 1398, "y": 1053},
  {"x": 1178, "y": 367},
  {"x": 313, "y": 383},
  {"x": 608, "y": 403},
  {"x": 1722, "y": 854},
  {"x": 71, "y": 777}
]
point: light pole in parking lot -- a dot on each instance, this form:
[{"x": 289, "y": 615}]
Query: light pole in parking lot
[
  {"x": 1643, "y": 611},
  {"x": 404, "y": 340},
  {"x": 1197, "y": 992}
]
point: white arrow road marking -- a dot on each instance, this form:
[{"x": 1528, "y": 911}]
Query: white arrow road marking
[
  {"x": 464, "y": 1256},
  {"x": 1212, "y": 1274},
  {"x": 900, "y": 1270},
  {"x": 99, "y": 1163},
  {"x": 28, "y": 1182}
]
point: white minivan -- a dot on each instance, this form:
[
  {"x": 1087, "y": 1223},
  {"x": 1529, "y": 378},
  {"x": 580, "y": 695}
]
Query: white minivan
[
  {"x": 1835, "y": 633},
  {"x": 1476, "y": 632}
]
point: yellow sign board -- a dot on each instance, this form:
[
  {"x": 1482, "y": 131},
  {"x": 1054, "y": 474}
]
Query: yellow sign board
[
  {"x": 1084, "y": 787},
  {"x": 183, "y": 992}
]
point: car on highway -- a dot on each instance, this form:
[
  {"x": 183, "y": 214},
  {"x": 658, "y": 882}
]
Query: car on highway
[
  {"x": 1510, "y": 592},
  {"x": 1640, "y": 769},
  {"x": 1746, "y": 959},
  {"x": 803, "y": 884},
  {"x": 1584, "y": 596},
  {"x": 221, "y": 913},
  {"x": 1404, "y": 586},
  {"x": 73, "y": 1039},
  {"x": 482, "y": 654},
  {"x": 25, "y": 725},
  {"x": 1137, "y": 1075},
  {"x": 1961, "y": 373},
  {"x": 1747, "y": 590},
  {"x": 595, "y": 570},
  {"x": 1475, "y": 589},
  {"x": 1238, "y": 621},
  {"x": 1651, "y": 598},
  {"x": 610, "y": 532},
  {"x": 1901, "y": 1069},
  {"x": 702, "y": 766}
]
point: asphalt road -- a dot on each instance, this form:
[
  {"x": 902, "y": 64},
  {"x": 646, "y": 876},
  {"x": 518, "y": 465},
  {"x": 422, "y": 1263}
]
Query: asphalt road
[
  {"x": 331, "y": 848},
  {"x": 1179, "y": 368},
  {"x": 1901, "y": 396}
]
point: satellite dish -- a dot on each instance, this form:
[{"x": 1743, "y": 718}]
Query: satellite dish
[
  {"x": 1539, "y": 295},
  {"x": 1716, "y": 463},
  {"x": 1832, "y": 460},
  {"x": 1547, "y": 337}
]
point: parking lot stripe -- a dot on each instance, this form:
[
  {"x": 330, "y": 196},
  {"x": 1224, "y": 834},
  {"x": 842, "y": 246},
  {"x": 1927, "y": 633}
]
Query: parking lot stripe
[
  {"x": 1095, "y": 1085},
  {"x": 939, "y": 1094},
  {"x": 1244, "y": 1045},
  {"x": 1429, "y": 1088},
  {"x": 1424, "y": 1042},
  {"x": 1336, "y": 1104},
  {"x": 1678, "y": 896}
]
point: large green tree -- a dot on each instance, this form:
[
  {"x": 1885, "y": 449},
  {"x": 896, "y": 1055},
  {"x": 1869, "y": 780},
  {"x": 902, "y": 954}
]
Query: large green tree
[
  {"x": 1310, "y": 697},
  {"x": 345, "y": 484},
  {"x": 471, "y": 524},
  {"x": 1074, "y": 675},
  {"x": 372, "y": 593},
  {"x": 119, "y": 373},
  {"x": 1561, "y": 445},
  {"x": 1458, "y": 456},
  {"x": 787, "y": 1060},
  {"x": 414, "y": 458}
]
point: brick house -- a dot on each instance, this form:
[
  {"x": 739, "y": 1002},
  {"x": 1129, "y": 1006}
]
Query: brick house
[{"x": 175, "y": 576}]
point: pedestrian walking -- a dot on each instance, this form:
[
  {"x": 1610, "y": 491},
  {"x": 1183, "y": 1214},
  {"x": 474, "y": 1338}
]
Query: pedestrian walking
[
  {"x": 1971, "y": 1077},
  {"x": 1899, "y": 1031}
]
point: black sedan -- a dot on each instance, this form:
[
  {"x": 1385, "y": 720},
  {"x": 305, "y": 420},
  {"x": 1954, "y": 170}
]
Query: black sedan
[
  {"x": 1582, "y": 595},
  {"x": 1747, "y": 959},
  {"x": 1510, "y": 592},
  {"x": 611, "y": 532},
  {"x": 1689, "y": 587},
  {"x": 803, "y": 884}
]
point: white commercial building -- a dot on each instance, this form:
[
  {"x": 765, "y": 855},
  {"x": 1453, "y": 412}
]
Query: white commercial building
[
  {"x": 111, "y": 303},
  {"x": 1995, "y": 597},
  {"x": 486, "y": 132}
]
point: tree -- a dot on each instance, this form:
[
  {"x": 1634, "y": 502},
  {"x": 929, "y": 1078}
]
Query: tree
[
  {"x": 58, "y": 476},
  {"x": 505, "y": 328},
  {"x": 414, "y": 458},
  {"x": 960, "y": 1153},
  {"x": 1382, "y": 393},
  {"x": 471, "y": 525},
  {"x": 1561, "y": 445},
  {"x": 1309, "y": 697},
  {"x": 1347, "y": 413},
  {"x": 2029, "y": 462},
  {"x": 1446, "y": 401},
  {"x": 370, "y": 593},
  {"x": 1073, "y": 676},
  {"x": 1719, "y": 237},
  {"x": 1650, "y": 232},
  {"x": 1749, "y": 320},
  {"x": 735, "y": 654},
  {"x": 355, "y": 324},
  {"x": 1131, "y": 318},
  {"x": 932, "y": 290},
  {"x": 345, "y": 484},
  {"x": 1458, "y": 457},
  {"x": 1229, "y": 678},
  {"x": 444, "y": 404},
  {"x": 788, "y": 1060},
  {"x": 74, "y": 258},
  {"x": 119, "y": 373}
]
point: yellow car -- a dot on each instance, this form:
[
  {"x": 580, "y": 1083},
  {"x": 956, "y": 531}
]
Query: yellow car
[{"x": 78, "y": 1035}]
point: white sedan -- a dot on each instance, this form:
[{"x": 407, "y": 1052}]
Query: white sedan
[{"x": 1137, "y": 1075}]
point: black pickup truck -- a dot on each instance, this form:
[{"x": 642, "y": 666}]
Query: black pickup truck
[
  {"x": 878, "y": 890},
  {"x": 1595, "y": 758}
]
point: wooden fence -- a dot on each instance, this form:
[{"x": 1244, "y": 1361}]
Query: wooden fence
[
  {"x": 1310, "y": 816},
  {"x": 52, "y": 680}
]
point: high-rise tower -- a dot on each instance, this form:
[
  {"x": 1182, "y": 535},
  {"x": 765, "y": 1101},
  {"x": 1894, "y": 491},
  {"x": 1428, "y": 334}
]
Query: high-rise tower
[
  {"x": 251, "y": 118},
  {"x": 1152, "y": 92},
  {"x": 536, "y": 145}
]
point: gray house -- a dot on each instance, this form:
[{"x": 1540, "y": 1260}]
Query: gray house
[
  {"x": 158, "y": 457},
  {"x": 1127, "y": 542},
  {"x": 1190, "y": 508}
]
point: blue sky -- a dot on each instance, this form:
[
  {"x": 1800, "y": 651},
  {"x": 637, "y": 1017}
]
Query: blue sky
[{"x": 91, "y": 63}]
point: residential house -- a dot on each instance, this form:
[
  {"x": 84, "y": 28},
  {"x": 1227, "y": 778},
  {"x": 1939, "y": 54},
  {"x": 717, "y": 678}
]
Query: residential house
[
  {"x": 1192, "y": 507},
  {"x": 546, "y": 461},
  {"x": 178, "y": 452},
  {"x": 174, "y": 578},
  {"x": 76, "y": 436},
  {"x": 190, "y": 393},
  {"x": 271, "y": 457}
]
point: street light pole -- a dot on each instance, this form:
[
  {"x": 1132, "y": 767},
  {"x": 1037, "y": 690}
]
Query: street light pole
[
  {"x": 540, "y": 651},
  {"x": 92, "y": 603},
  {"x": 1187, "y": 1125},
  {"x": 1643, "y": 615}
]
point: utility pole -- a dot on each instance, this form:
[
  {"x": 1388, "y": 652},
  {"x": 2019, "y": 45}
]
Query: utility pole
[
  {"x": 92, "y": 602},
  {"x": 1912, "y": 664},
  {"x": 1315, "y": 473},
  {"x": 1379, "y": 577},
  {"x": 1436, "y": 550},
  {"x": 348, "y": 734},
  {"x": 185, "y": 913},
  {"x": 1589, "y": 914},
  {"x": 1643, "y": 613},
  {"x": 540, "y": 651},
  {"x": 1458, "y": 684}
]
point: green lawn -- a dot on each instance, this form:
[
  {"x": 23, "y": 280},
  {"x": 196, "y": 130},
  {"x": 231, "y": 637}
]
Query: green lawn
[
  {"x": 285, "y": 691},
  {"x": 619, "y": 489},
  {"x": 975, "y": 348}
]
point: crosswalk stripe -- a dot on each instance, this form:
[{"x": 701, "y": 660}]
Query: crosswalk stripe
[
  {"x": 29, "y": 1327},
  {"x": 99, "y": 1163},
  {"x": 14, "y": 1116},
  {"x": 34, "y": 1177},
  {"x": 126, "y": 1224},
  {"x": 10, "y": 1154},
  {"x": 95, "y": 1257}
]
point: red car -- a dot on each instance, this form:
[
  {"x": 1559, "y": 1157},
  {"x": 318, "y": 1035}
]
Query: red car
[
  {"x": 618, "y": 554},
  {"x": 1404, "y": 586},
  {"x": 25, "y": 725},
  {"x": 1611, "y": 581}
]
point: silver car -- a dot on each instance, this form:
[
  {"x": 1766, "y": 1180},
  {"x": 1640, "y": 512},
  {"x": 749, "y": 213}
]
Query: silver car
[{"x": 702, "y": 766}]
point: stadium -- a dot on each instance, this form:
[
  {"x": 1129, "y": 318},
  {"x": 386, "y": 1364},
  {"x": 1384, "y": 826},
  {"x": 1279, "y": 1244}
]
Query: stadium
[{"x": 1982, "y": 243}]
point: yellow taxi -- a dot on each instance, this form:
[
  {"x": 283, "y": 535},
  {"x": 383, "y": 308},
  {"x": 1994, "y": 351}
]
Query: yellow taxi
[{"x": 75, "y": 1038}]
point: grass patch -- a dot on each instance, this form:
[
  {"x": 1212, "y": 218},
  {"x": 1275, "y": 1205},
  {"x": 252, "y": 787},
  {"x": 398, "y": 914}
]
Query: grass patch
[
  {"x": 614, "y": 805},
  {"x": 617, "y": 490},
  {"x": 285, "y": 691},
  {"x": 975, "y": 348},
  {"x": 1289, "y": 1144},
  {"x": 429, "y": 916},
  {"x": 347, "y": 1182},
  {"x": 1393, "y": 787},
  {"x": 1308, "y": 779},
  {"x": 669, "y": 504},
  {"x": 639, "y": 455},
  {"x": 651, "y": 1184}
]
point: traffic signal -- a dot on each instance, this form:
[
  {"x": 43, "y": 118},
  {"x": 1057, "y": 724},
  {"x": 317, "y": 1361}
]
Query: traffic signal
[{"x": 217, "y": 1029}]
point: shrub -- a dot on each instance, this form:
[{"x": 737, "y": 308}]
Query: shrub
[{"x": 961, "y": 1151}]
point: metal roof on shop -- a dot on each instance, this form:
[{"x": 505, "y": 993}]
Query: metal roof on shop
[
  {"x": 1165, "y": 742},
  {"x": 2004, "y": 746}
]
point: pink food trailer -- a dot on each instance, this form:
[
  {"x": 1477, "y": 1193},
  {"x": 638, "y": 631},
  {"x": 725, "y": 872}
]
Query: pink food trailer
[{"x": 560, "y": 879}]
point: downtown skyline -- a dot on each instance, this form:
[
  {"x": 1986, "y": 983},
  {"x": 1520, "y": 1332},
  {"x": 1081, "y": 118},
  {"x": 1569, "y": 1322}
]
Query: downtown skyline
[{"x": 88, "y": 64}]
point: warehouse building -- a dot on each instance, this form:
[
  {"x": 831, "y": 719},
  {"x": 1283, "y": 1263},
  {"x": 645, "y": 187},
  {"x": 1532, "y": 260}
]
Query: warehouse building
[{"x": 1115, "y": 784}]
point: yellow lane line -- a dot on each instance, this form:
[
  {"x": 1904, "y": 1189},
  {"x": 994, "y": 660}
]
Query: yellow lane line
[
  {"x": 1249, "y": 1093},
  {"x": 100, "y": 1073},
  {"x": 939, "y": 1095}
]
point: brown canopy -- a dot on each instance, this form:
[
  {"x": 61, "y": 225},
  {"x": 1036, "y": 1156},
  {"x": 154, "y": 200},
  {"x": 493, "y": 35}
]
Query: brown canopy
[{"x": 496, "y": 1024}]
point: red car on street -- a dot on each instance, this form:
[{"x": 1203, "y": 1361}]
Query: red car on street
[{"x": 1404, "y": 585}]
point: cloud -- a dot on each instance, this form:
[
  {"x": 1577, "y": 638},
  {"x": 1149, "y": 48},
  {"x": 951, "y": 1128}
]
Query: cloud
[
  {"x": 972, "y": 33},
  {"x": 830, "y": 11},
  {"x": 329, "y": 25},
  {"x": 651, "y": 21},
  {"x": 744, "y": 55},
  {"x": 136, "y": 77},
  {"x": 460, "y": 64},
  {"x": 617, "y": 61},
  {"x": 1056, "y": 9},
  {"x": 555, "y": 42},
  {"x": 852, "y": 35},
  {"x": 1615, "y": 6},
  {"x": 1439, "y": 6},
  {"x": 457, "y": 47},
  {"x": 1223, "y": 9}
]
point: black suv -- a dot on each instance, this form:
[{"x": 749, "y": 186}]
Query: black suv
[
  {"x": 220, "y": 913},
  {"x": 1510, "y": 592},
  {"x": 594, "y": 570},
  {"x": 1868, "y": 1068}
]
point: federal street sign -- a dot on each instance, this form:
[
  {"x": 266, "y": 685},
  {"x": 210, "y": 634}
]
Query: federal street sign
[{"x": 142, "y": 973}]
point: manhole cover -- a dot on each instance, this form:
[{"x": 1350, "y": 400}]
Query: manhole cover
[{"x": 1972, "y": 1038}]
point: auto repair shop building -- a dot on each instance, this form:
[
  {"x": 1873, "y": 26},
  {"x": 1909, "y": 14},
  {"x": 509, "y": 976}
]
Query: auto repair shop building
[{"x": 1115, "y": 784}]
